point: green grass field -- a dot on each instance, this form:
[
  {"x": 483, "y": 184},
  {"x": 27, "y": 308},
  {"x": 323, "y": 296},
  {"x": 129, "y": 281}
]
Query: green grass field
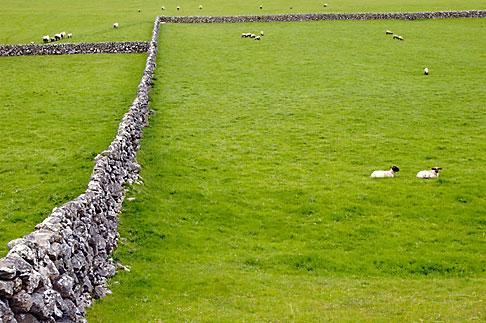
[
  {"x": 258, "y": 205},
  {"x": 91, "y": 20},
  {"x": 56, "y": 114}
]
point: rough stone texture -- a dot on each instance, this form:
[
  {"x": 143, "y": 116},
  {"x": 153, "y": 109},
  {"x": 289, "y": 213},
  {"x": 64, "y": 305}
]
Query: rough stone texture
[
  {"x": 78, "y": 48},
  {"x": 325, "y": 16},
  {"x": 54, "y": 273}
]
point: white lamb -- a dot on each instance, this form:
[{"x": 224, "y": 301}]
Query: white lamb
[
  {"x": 385, "y": 173},
  {"x": 116, "y": 25},
  {"x": 46, "y": 38},
  {"x": 428, "y": 174}
]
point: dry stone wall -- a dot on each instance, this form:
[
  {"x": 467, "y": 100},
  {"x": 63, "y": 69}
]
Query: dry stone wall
[
  {"x": 54, "y": 273},
  {"x": 78, "y": 48},
  {"x": 325, "y": 16}
]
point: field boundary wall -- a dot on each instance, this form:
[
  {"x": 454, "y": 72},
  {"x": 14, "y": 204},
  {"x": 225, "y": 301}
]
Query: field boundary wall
[
  {"x": 75, "y": 48},
  {"x": 54, "y": 273},
  {"x": 324, "y": 16}
]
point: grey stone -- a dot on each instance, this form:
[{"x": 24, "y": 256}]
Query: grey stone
[
  {"x": 6, "y": 288},
  {"x": 21, "y": 302}
]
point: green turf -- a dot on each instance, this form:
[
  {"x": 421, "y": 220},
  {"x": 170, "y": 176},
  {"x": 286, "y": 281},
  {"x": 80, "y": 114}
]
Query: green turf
[
  {"x": 257, "y": 203},
  {"x": 90, "y": 20},
  {"x": 56, "y": 114}
]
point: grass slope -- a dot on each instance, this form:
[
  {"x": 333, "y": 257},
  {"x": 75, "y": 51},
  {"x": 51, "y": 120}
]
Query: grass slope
[
  {"x": 257, "y": 202},
  {"x": 91, "y": 20},
  {"x": 56, "y": 114}
]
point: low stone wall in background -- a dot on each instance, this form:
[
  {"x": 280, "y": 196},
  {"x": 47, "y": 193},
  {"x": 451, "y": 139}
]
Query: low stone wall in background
[
  {"x": 53, "y": 273},
  {"x": 78, "y": 48},
  {"x": 325, "y": 16}
]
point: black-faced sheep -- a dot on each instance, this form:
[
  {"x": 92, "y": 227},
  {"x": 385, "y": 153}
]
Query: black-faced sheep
[{"x": 385, "y": 173}]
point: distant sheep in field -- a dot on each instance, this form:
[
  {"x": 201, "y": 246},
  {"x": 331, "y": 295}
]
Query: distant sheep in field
[
  {"x": 200, "y": 7},
  {"x": 252, "y": 35},
  {"x": 116, "y": 25},
  {"x": 162, "y": 8},
  {"x": 69, "y": 35},
  {"x": 46, "y": 38},
  {"x": 261, "y": 33},
  {"x": 428, "y": 174},
  {"x": 388, "y": 32},
  {"x": 385, "y": 173},
  {"x": 63, "y": 34},
  {"x": 325, "y": 5},
  {"x": 178, "y": 8},
  {"x": 426, "y": 71},
  {"x": 57, "y": 37},
  {"x": 397, "y": 37},
  {"x": 245, "y": 35},
  {"x": 257, "y": 37},
  {"x": 261, "y": 7}
]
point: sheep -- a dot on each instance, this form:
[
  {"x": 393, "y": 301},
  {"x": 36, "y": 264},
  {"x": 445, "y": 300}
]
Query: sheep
[
  {"x": 139, "y": 10},
  {"x": 397, "y": 37},
  {"x": 246, "y": 35},
  {"x": 57, "y": 36},
  {"x": 261, "y": 7},
  {"x": 69, "y": 35},
  {"x": 261, "y": 33},
  {"x": 426, "y": 71},
  {"x": 162, "y": 8},
  {"x": 52, "y": 39},
  {"x": 388, "y": 32},
  {"x": 63, "y": 34},
  {"x": 428, "y": 174},
  {"x": 178, "y": 8},
  {"x": 200, "y": 7},
  {"x": 116, "y": 25},
  {"x": 46, "y": 38},
  {"x": 325, "y": 5},
  {"x": 257, "y": 37},
  {"x": 252, "y": 35},
  {"x": 385, "y": 173}
]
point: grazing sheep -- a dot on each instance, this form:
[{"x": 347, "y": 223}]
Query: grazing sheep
[
  {"x": 116, "y": 25},
  {"x": 397, "y": 37},
  {"x": 46, "y": 38},
  {"x": 426, "y": 71},
  {"x": 385, "y": 173},
  {"x": 245, "y": 35},
  {"x": 63, "y": 34},
  {"x": 325, "y": 5},
  {"x": 32, "y": 43},
  {"x": 178, "y": 8},
  {"x": 388, "y": 32},
  {"x": 57, "y": 36},
  {"x": 257, "y": 38},
  {"x": 200, "y": 7},
  {"x": 139, "y": 10},
  {"x": 252, "y": 35},
  {"x": 162, "y": 8},
  {"x": 52, "y": 39},
  {"x": 261, "y": 7},
  {"x": 261, "y": 33},
  {"x": 70, "y": 35},
  {"x": 428, "y": 174}
]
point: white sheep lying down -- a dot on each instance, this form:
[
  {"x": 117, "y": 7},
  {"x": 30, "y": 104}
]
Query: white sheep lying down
[
  {"x": 385, "y": 173},
  {"x": 427, "y": 174}
]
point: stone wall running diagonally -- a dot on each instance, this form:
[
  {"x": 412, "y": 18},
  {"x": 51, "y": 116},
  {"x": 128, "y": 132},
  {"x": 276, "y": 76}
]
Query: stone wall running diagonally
[
  {"x": 75, "y": 48},
  {"x": 54, "y": 273},
  {"x": 324, "y": 16}
]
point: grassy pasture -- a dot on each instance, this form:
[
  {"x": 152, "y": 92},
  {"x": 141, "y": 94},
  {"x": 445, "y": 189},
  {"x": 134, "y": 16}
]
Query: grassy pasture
[
  {"x": 56, "y": 114},
  {"x": 92, "y": 20},
  {"x": 257, "y": 205}
]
